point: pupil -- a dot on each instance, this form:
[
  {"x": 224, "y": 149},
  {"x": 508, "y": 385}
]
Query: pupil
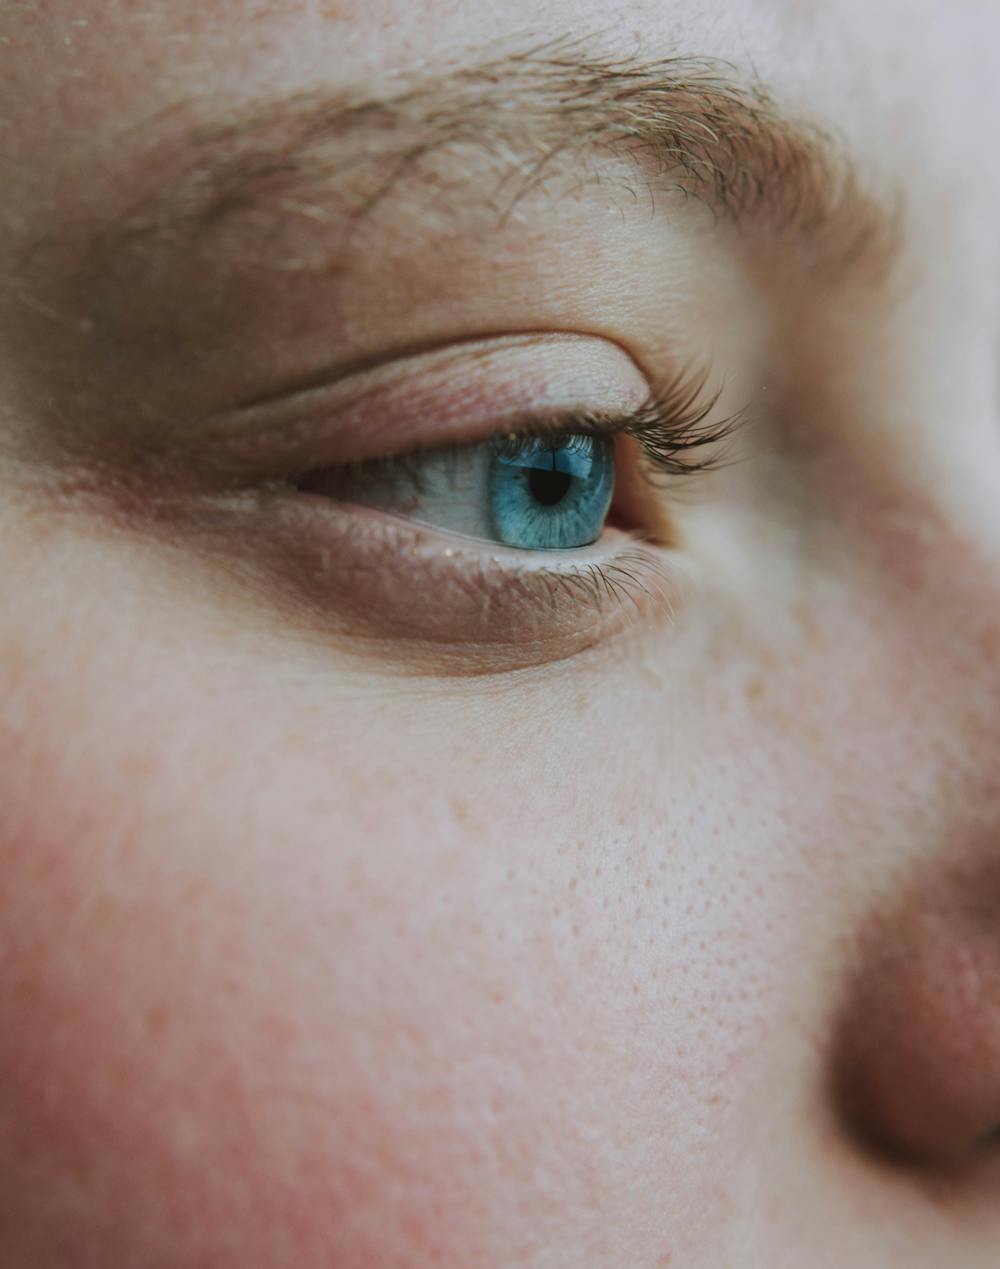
[{"x": 549, "y": 487}]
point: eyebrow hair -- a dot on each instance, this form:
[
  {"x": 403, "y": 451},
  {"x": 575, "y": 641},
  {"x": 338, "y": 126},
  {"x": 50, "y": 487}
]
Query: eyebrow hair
[{"x": 686, "y": 125}]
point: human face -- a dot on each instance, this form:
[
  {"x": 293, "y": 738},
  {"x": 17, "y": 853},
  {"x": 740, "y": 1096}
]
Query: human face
[{"x": 378, "y": 894}]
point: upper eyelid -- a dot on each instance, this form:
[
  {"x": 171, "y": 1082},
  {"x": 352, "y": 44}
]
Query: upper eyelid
[
  {"x": 463, "y": 354},
  {"x": 456, "y": 392},
  {"x": 674, "y": 428}
]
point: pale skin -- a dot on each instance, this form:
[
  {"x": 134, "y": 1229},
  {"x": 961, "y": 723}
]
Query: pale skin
[{"x": 371, "y": 903}]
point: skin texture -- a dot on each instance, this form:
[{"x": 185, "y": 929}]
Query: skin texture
[{"x": 535, "y": 939}]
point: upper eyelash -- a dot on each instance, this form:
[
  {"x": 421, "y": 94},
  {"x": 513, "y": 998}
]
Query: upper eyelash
[
  {"x": 675, "y": 427},
  {"x": 672, "y": 429}
]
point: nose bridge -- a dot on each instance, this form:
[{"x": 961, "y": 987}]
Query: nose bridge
[{"x": 934, "y": 581}]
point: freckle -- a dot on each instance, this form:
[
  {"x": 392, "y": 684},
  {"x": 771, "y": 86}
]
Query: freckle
[
  {"x": 296, "y": 743},
  {"x": 137, "y": 765},
  {"x": 80, "y": 1175},
  {"x": 25, "y": 991},
  {"x": 156, "y": 1020},
  {"x": 755, "y": 688},
  {"x": 989, "y": 643},
  {"x": 813, "y": 632},
  {"x": 459, "y": 810},
  {"x": 103, "y": 914}
]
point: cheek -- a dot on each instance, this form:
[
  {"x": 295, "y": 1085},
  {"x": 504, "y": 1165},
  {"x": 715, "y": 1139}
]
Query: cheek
[
  {"x": 300, "y": 966},
  {"x": 271, "y": 988},
  {"x": 242, "y": 1013},
  {"x": 284, "y": 980}
]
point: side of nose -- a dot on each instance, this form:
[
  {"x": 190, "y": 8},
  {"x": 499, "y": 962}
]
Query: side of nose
[
  {"x": 916, "y": 1042},
  {"x": 917, "y": 1062}
]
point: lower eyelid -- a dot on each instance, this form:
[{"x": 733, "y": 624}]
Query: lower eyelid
[{"x": 363, "y": 575}]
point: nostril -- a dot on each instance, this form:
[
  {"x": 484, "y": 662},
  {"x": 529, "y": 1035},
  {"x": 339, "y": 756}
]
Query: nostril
[{"x": 917, "y": 1058}]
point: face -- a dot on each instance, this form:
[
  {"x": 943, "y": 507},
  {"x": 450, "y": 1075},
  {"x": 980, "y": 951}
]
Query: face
[{"x": 499, "y": 647}]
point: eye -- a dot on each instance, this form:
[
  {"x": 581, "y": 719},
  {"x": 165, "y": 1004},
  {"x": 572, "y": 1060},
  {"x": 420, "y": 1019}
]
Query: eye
[
  {"x": 538, "y": 493},
  {"x": 551, "y": 493}
]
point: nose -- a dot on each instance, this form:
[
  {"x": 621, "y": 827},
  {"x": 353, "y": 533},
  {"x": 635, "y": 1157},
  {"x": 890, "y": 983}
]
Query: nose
[
  {"x": 918, "y": 1061},
  {"x": 916, "y": 1044}
]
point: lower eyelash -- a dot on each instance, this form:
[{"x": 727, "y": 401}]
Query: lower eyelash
[
  {"x": 633, "y": 581},
  {"x": 367, "y": 576}
]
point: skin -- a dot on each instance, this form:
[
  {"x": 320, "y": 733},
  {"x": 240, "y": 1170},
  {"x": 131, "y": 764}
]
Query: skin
[{"x": 667, "y": 941}]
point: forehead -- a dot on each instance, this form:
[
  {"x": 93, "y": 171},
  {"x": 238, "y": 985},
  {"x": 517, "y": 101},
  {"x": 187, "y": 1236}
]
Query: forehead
[
  {"x": 110, "y": 68},
  {"x": 122, "y": 53},
  {"x": 113, "y": 70},
  {"x": 119, "y": 77}
]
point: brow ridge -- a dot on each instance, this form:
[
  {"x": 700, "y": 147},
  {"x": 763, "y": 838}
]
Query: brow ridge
[{"x": 685, "y": 125}]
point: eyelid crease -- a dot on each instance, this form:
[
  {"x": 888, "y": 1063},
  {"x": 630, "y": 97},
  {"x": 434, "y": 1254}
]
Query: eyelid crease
[{"x": 673, "y": 428}]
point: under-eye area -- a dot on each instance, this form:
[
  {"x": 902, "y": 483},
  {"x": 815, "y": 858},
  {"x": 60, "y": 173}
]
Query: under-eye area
[{"x": 425, "y": 598}]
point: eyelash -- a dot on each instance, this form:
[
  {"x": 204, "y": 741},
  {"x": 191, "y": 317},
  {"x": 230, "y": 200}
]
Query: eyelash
[
  {"x": 352, "y": 569},
  {"x": 672, "y": 430},
  {"x": 675, "y": 436}
]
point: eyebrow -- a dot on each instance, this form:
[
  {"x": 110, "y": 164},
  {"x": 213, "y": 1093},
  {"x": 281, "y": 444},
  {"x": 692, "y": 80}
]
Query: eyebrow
[{"x": 682, "y": 125}]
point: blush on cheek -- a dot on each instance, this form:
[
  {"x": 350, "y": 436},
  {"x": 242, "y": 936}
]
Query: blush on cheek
[
  {"x": 281, "y": 987},
  {"x": 225, "y": 1048},
  {"x": 188, "y": 1079}
]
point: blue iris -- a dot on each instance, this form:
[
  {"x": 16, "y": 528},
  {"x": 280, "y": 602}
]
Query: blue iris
[{"x": 551, "y": 493}]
